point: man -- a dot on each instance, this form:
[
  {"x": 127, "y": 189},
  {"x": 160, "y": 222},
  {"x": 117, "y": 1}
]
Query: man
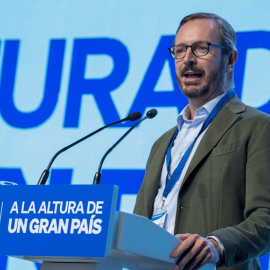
[{"x": 208, "y": 179}]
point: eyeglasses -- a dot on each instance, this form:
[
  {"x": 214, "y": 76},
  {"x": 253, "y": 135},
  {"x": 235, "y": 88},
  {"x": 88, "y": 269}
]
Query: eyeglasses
[{"x": 198, "y": 49}]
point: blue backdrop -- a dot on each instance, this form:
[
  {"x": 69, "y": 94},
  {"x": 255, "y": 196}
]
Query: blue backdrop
[{"x": 70, "y": 67}]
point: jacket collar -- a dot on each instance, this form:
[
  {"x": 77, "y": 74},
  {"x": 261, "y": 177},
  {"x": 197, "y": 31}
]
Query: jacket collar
[{"x": 223, "y": 121}]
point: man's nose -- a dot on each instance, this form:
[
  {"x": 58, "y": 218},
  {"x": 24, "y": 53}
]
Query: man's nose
[{"x": 190, "y": 58}]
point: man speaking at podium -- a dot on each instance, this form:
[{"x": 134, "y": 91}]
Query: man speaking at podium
[{"x": 207, "y": 180}]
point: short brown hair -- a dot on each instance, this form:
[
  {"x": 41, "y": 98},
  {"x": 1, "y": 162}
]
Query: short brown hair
[{"x": 227, "y": 33}]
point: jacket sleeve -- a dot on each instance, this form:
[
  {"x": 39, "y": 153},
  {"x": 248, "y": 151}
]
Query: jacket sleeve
[{"x": 251, "y": 238}]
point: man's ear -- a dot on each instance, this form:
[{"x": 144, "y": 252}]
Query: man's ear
[{"x": 233, "y": 55}]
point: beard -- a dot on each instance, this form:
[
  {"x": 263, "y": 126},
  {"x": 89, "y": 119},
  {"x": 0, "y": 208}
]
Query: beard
[{"x": 213, "y": 83}]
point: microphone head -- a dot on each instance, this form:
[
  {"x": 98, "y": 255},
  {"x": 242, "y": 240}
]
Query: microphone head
[
  {"x": 151, "y": 113},
  {"x": 134, "y": 116}
]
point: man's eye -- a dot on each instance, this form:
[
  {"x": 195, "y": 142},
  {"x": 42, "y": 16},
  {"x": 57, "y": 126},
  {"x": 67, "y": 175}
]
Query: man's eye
[
  {"x": 180, "y": 50},
  {"x": 201, "y": 47}
]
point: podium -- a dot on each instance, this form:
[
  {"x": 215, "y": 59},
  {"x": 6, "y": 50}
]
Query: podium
[{"x": 76, "y": 227}]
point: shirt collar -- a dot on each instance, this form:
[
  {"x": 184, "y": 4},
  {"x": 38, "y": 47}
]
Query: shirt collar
[{"x": 206, "y": 109}]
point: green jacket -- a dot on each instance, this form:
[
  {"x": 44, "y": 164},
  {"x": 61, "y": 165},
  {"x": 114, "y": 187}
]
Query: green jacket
[{"x": 226, "y": 190}]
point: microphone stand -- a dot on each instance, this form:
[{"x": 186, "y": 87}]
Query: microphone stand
[
  {"x": 97, "y": 178},
  {"x": 45, "y": 175}
]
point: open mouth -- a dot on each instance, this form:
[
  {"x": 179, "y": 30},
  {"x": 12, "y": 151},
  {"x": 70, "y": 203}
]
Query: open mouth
[{"x": 192, "y": 75}]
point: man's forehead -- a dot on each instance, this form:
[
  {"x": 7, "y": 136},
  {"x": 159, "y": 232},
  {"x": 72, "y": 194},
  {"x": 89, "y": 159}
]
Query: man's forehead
[{"x": 198, "y": 30}]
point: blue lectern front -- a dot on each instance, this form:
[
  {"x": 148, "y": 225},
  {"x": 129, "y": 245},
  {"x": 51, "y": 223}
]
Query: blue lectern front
[{"x": 78, "y": 228}]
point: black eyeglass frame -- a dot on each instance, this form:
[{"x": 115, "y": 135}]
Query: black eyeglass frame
[{"x": 190, "y": 46}]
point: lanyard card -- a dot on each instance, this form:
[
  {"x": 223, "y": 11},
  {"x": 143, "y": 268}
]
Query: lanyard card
[{"x": 159, "y": 216}]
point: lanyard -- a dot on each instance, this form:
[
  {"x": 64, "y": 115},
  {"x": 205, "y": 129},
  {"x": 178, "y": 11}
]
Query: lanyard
[{"x": 170, "y": 182}]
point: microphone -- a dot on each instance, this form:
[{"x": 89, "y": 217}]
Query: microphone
[
  {"x": 45, "y": 175},
  {"x": 150, "y": 114}
]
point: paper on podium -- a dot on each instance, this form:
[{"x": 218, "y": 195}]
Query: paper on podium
[{"x": 138, "y": 235}]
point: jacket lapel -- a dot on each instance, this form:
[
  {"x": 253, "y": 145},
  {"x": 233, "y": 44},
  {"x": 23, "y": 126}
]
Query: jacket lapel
[
  {"x": 220, "y": 125},
  {"x": 223, "y": 121},
  {"x": 155, "y": 169}
]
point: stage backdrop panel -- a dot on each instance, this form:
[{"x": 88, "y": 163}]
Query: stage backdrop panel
[{"x": 70, "y": 67}]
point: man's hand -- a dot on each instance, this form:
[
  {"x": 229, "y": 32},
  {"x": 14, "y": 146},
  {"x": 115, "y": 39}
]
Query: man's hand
[{"x": 195, "y": 251}]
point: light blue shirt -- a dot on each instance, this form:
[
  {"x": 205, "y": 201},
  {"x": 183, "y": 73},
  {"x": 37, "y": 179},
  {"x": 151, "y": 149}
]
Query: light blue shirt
[{"x": 188, "y": 130}]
